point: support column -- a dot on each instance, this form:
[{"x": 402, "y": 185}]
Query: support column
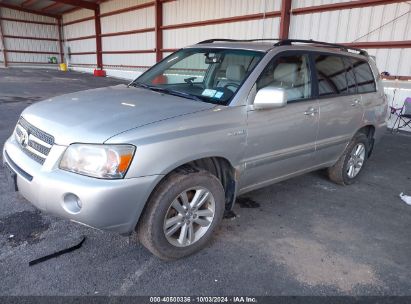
[
  {"x": 159, "y": 32},
  {"x": 99, "y": 53},
  {"x": 285, "y": 18},
  {"x": 2, "y": 42},
  {"x": 59, "y": 29}
]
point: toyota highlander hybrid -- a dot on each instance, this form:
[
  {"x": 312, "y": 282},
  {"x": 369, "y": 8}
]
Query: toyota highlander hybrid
[{"x": 167, "y": 155}]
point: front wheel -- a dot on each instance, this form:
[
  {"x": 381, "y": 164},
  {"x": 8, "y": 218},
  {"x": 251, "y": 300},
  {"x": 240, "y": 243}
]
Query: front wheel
[
  {"x": 182, "y": 214},
  {"x": 350, "y": 164}
]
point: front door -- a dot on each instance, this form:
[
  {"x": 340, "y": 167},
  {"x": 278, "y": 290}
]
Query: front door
[{"x": 281, "y": 141}]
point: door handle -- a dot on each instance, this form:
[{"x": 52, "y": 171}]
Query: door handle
[
  {"x": 355, "y": 102},
  {"x": 311, "y": 112}
]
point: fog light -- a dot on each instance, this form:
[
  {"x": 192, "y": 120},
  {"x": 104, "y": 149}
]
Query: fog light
[{"x": 72, "y": 203}]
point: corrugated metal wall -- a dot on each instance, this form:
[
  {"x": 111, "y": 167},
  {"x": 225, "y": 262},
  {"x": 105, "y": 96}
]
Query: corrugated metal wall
[
  {"x": 377, "y": 23},
  {"x": 175, "y": 12},
  {"x": 72, "y": 31},
  {"x": 131, "y": 31},
  {"x": 14, "y": 45},
  {"x": 390, "y": 22}
]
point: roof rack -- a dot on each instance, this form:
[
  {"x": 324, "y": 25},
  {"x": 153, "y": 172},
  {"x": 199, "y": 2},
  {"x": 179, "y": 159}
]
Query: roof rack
[
  {"x": 333, "y": 45},
  {"x": 236, "y": 40},
  {"x": 291, "y": 41}
]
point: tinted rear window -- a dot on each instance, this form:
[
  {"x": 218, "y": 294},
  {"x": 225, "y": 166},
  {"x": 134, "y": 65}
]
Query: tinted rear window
[
  {"x": 364, "y": 76},
  {"x": 331, "y": 75}
]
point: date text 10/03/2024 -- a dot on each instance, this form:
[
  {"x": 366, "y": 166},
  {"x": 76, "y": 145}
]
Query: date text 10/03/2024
[{"x": 235, "y": 299}]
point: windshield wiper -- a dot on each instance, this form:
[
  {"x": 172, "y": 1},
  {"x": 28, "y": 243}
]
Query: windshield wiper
[
  {"x": 138, "y": 84},
  {"x": 178, "y": 93},
  {"x": 166, "y": 91}
]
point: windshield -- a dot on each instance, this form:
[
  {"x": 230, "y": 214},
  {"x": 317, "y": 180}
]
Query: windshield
[{"x": 209, "y": 75}]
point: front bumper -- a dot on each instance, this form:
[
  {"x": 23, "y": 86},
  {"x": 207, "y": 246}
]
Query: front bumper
[{"x": 114, "y": 205}]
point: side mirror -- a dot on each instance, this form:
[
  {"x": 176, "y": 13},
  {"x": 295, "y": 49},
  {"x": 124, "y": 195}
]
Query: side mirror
[{"x": 269, "y": 98}]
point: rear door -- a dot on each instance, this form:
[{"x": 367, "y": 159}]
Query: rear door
[
  {"x": 371, "y": 100},
  {"x": 341, "y": 111}
]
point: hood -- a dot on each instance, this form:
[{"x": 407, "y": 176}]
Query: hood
[{"x": 95, "y": 115}]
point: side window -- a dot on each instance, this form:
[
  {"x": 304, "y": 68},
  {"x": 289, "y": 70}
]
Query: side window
[
  {"x": 364, "y": 76},
  {"x": 331, "y": 75},
  {"x": 291, "y": 73},
  {"x": 352, "y": 86}
]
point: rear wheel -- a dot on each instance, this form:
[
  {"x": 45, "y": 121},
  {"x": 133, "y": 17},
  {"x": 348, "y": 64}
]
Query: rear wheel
[
  {"x": 182, "y": 214},
  {"x": 350, "y": 164}
]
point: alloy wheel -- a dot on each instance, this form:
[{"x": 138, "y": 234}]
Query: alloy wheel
[{"x": 189, "y": 217}]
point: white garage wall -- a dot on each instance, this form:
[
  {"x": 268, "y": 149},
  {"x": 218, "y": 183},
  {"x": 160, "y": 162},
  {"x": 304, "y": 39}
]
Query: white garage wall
[
  {"x": 76, "y": 30},
  {"x": 368, "y": 24},
  {"x": 183, "y": 11},
  {"x": 14, "y": 28},
  {"x": 177, "y": 38},
  {"x": 113, "y": 5},
  {"x": 175, "y": 12},
  {"x": 372, "y": 24}
]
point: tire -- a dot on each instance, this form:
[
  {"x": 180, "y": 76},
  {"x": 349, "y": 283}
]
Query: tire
[
  {"x": 339, "y": 173},
  {"x": 151, "y": 230}
]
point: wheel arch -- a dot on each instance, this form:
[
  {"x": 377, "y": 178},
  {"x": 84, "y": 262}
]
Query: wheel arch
[
  {"x": 369, "y": 131},
  {"x": 219, "y": 166}
]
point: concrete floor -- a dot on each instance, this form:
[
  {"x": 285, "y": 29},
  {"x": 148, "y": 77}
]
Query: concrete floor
[{"x": 308, "y": 236}]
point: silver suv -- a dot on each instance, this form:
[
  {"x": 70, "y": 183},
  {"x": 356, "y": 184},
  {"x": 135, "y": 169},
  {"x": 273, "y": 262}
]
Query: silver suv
[{"x": 169, "y": 153}]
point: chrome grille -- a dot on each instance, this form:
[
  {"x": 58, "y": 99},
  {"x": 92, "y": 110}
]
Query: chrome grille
[{"x": 33, "y": 141}]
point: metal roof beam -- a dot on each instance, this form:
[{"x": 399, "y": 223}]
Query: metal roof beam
[
  {"x": 341, "y": 6},
  {"x": 26, "y": 10},
  {"x": 56, "y": 5},
  {"x": 79, "y": 3},
  {"x": 28, "y": 3}
]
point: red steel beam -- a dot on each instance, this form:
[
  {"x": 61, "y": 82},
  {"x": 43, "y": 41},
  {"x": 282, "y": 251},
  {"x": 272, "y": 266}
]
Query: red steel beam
[
  {"x": 381, "y": 44},
  {"x": 55, "y": 5},
  {"x": 26, "y": 21},
  {"x": 223, "y": 20},
  {"x": 144, "y": 30},
  {"x": 128, "y": 9},
  {"x": 32, "y": 52},
  {"x": 30, "y": 62},
  {"x": 2, "y": 42},
  {"x": 97, "y": 23},
  {"x": 285, "y": 19},
  {"x": 30, "y": 38},
  {"x": 169, "y": 50},
  {"x": 341, "y": 6},
  {"x": 158, "y": 7},
  {"x": 28, "y": 2},
  {"x": 82, "y": 53},
  {"x": 59, "y": 29},
  {"x": 26, "y": 10},
  {"x": 115, "y": 52},
  {"x": 130, "y": 52},
  {"x": 79, "y": 20},
  {"x": 79, "y": 3},
  {"x": 81, "y": 38}
]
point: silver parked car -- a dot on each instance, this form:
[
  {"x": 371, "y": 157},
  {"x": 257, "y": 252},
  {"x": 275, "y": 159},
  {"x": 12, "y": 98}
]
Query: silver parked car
[{"x": 167, "y": 154}]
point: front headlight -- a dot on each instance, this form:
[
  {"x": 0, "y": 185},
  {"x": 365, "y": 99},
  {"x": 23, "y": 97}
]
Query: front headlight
[{"x": 102, "y": 161}]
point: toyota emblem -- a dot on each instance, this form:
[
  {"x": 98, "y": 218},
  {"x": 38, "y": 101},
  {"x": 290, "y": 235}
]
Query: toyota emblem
[{"x": 24, "y": 138}]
